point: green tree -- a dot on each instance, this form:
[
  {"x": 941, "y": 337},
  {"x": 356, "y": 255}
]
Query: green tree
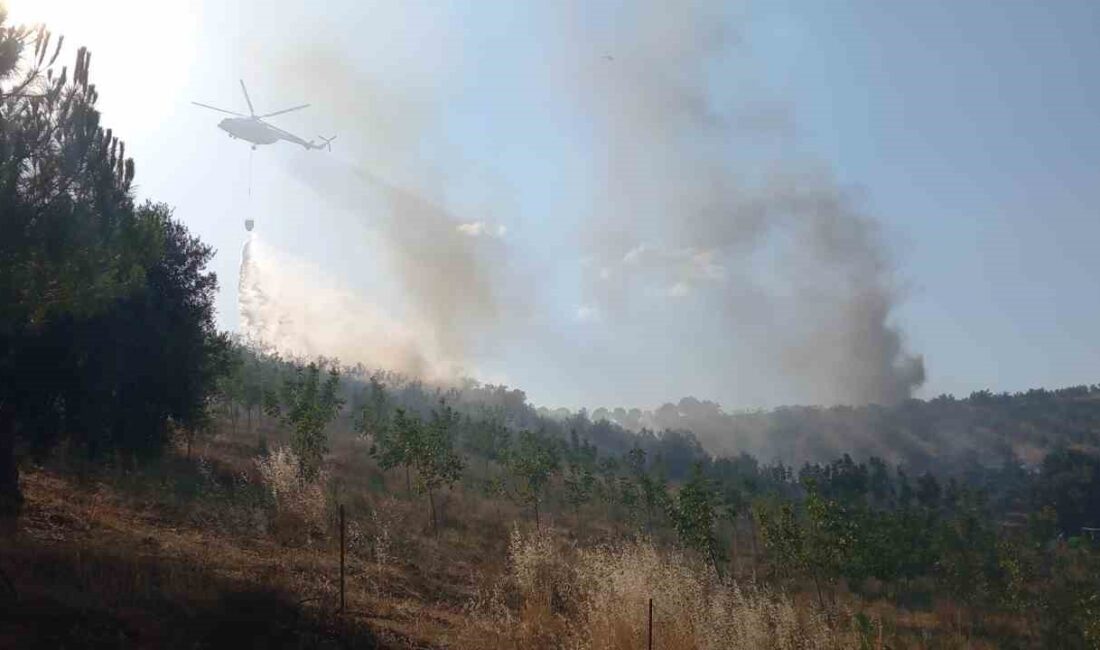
[
  {"x": 432, "y": 453},
  {"x": 307, "y": 404},
  {"x": 928, "y": 491},
  {"x": 488, "y": 438},
  {"x": 254, "y": 375},
  {"x": 70, "y": 243},
  {"x": 891, "y": 545},
  {"x": 781, "y": 533},
  {"x": 651, "y": 486},
  {"x": 829, "y": 539},
  {"x": 695, "y": 513},
  {"x": 966, "y": 557},
  {"x": 607, "y": 469},
  {"x": 152, "y": 359},
  {"x": 580, "y": 484},
  {"x": 373, "y": 417},
  {"x": 1070, "y": 484},
  {"x": 394, "y": 445},
  {"x": 531, "y": 462}
]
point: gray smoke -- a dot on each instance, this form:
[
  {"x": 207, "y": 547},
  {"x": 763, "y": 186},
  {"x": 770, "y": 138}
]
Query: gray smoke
[
  {"x": 301, "y": 311},
  {"x": 686, "y": 222},
  {"x": 444, "y": 266},
  {"x": 748, "y": 269}
]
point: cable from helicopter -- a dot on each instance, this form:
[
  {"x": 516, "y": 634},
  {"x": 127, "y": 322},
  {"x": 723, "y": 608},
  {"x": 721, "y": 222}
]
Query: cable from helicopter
[{"x": 253, "y": 129}]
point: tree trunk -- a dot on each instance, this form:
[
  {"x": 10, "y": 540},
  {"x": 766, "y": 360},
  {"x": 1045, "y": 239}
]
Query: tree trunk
[
  {"x": 735, "y": 558},
  {"x": 431, "y": 511},
  {"x": 11, "y": 498},
  {"x": 536, "y": 504},
  {"x": 408, "y": 483},
  {"x": 817, "y": 584},
  {"x": 752, "y": 538}
]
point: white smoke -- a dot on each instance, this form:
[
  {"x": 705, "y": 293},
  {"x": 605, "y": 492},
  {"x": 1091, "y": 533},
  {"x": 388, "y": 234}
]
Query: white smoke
[{"x": 296, "y": 308}]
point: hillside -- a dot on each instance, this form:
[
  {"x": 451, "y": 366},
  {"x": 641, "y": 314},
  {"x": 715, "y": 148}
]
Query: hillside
[
  {"x": 986, "y": 428},
  {"x": 946, "y": 434},
  {"x": 190, "y": 552}
]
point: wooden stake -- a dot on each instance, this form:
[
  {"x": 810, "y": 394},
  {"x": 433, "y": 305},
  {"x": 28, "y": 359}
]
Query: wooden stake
[
  {"x": 342, "y": 602},
  {"x": 650, "y": 632}
]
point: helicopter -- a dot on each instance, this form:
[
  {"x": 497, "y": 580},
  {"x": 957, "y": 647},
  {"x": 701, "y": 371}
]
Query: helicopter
[{"x": 252, "y": 128}]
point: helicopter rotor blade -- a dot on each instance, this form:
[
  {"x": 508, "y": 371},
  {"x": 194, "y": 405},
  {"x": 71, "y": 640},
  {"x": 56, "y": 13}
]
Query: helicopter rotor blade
[
  {"x": 251, "y": 110},
  {"x": 285, "y": 110},
  {"x": 220, "y": 110}
]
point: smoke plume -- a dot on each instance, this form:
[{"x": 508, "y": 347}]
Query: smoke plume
[
  {"x": 446, "y": 266},
  {"x": 687, "y": 221},
  {"x": 445, "y": 297},
  {"x": 703, "y": 254},
  {"x": 301, "y": 311}
]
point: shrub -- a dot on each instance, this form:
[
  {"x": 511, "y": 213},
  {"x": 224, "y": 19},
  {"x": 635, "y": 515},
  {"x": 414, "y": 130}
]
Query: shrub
[
  {"x": 692, "y": 608},
  {"x": 298, "y": 504},
  {"x": 598, "y": 598}
]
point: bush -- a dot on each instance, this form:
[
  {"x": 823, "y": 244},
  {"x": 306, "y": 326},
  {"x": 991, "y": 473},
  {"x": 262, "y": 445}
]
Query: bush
[
  {"x": 692, "y": 608},
  {"x": 599, "y": 598},
  {"x": 299, "y": 505}
]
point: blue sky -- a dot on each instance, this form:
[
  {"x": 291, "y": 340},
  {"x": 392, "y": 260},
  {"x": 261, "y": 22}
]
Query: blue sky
[{"x": 968, "y": 129}]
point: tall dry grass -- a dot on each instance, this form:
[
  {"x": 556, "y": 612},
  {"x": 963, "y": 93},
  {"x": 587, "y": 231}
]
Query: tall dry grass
[
  {"x": 558, "y": 596},
  {"x": 692, "y": 607},
  {"x": 300, "y": 505}
]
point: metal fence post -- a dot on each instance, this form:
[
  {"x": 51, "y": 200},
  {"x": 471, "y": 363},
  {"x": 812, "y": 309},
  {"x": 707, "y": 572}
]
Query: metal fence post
[
  {"x": 342, "y": 602},
  {"x": 650, "y": 633}
]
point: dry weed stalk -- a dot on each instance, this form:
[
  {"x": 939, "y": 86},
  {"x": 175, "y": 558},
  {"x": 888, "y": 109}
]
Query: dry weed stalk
[
  {"x": 280, "y": 472},
  {"x": 598, "y": 599}
]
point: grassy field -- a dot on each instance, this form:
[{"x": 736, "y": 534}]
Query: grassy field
[{"x": 197, "y": 551}]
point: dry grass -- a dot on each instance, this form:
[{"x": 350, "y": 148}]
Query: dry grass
[
  {"x": 692, "y": 608},
  {"x": 556, "y": 595},
  {"x": 300, "y": 507},
  {"x": 106, "y": 558},
  {"x": 147, "y": 553}
]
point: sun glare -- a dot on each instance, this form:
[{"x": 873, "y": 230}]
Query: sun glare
[
  {"x": 141, "y": 50},
  {"x": 76, "y": 18}
]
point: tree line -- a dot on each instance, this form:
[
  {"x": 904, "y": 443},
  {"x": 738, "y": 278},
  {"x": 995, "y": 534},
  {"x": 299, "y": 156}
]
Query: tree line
[
  {"x": 107, "y": 338},
  {"x": 1004, "y": 538}
]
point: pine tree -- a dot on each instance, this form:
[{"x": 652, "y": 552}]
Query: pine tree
[{"x": 114, "y": 299}]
